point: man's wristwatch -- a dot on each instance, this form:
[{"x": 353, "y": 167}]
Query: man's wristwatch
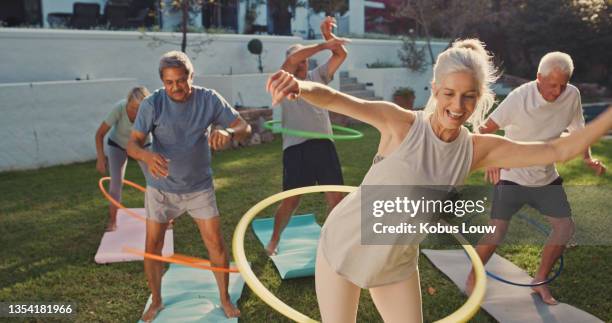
[{"x": 231, "y": 132}]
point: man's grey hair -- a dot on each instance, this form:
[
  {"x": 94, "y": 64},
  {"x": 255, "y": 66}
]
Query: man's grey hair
[
  {"x": 175, "y": 59},
  {"x": 556, "y": 61},
  {"x": 292, "y": 49}
]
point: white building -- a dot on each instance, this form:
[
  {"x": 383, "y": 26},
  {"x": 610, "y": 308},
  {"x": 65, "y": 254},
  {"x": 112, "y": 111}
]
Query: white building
[
  {"x": 57, "y": 84},
  {"x": 223, "y": 14}
]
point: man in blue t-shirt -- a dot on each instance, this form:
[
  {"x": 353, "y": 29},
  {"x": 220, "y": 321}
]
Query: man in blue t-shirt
[{"x": 179, "y": 177}]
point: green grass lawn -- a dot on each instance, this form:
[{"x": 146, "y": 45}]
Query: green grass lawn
[{"x": 52, "y": 220}]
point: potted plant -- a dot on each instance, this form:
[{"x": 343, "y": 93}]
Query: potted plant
[{"x": 404, "y": 97}]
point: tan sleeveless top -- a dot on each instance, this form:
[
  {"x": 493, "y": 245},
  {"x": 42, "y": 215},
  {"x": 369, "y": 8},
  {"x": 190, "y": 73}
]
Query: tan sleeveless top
[{"x": 421, "y": 159}]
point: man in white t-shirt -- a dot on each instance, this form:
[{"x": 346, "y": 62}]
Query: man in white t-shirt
[
  {"x": 307, "y": 162},
  {"x": 539, "y": 110}
]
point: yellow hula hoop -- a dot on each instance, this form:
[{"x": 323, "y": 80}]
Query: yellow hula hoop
[{"x": 463, "y": 314}]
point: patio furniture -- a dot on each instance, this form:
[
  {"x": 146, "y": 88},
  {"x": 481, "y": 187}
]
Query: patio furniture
[
  {"x": 116, "y": 16},
  {"x": 85, "y": 15},
  {"x": 59, "y": 19}
]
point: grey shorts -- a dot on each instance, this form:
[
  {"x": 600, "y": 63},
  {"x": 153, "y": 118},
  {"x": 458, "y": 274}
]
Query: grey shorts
[
  {"x": 163, "y": 206},
  {"x": 550, "y": 200}
]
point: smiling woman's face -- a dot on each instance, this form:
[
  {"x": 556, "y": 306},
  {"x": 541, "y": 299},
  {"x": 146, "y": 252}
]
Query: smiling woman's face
[{"x": 456, "y": 98}]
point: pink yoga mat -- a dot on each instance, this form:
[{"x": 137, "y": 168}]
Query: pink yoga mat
[{"x": 130, "y": 233}]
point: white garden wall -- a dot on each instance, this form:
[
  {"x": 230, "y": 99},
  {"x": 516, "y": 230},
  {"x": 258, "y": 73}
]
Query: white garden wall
[
  {"x": 48, "y": 118},
  {"x": 51, "y": 123},
  {"x": 243, "y": 90},
  {"x": 36, "y": 55},
  {"x": 386, "y": 80}
]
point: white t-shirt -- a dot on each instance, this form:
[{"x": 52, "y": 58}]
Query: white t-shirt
[
  {"x": 301, "y": 115},
  {"x": 526, "y": 116}
]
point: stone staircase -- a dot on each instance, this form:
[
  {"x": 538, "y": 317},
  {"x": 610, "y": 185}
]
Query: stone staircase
[{"x": 351, "y": 86}]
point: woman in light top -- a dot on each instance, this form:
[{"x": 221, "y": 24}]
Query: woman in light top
[
  {"x": 416, "y": 148},
  {"x": 119, "y": 122}
]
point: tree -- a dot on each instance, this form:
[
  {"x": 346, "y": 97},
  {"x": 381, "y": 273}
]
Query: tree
[
  {"x": 189, "y": 9},
  {"x": 411, "y": 55},
  {"x": 424, "y": 13},
  {"x": 531, "y": 28},
  {"x": 450, "y": 18},
  {"x": 457, "y": 17},
  {"x": 280, "y": 12}
]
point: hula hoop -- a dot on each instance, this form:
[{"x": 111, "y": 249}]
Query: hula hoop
[
  {"x": 117, "y": 203},
  {"x": 544, "y": 282},
  {"x": 176, "y": 258},
  {"x": 181, "y": 260},
  {"x": 464, "y": 313},
  {"x": 351, "y": 133}
]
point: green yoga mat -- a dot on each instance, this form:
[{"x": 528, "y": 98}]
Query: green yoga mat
[
  {"x": 297, "y": 249},
  {"x": 191, "y": 295}
]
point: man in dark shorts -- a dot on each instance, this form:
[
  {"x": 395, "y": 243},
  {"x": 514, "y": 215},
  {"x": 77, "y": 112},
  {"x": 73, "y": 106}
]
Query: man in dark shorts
[
  {"x": 539, "y": 110},
  {"x": 308, "y": 162}
]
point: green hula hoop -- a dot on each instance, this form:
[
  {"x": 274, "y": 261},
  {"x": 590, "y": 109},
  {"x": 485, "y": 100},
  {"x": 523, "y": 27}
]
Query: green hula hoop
[{"x": 273, "y": 125}]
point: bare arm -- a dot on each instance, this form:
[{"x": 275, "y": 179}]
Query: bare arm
[
  {"x": 594, "y": 164},
  {"x": 339, "y": 53},
  {"x": 242, "y": 129},
  {"x": 379, "y": 114},
  {"x": 587, "y": 154},
  {"x": 157, "y": 164},
  {"x": 291, "y": 62},
  {"x": 489, "y": 127},
  {"x": 492, "y": 174},
  {"x": 302, "y": 54},
  {"x": 102, "y": 131},
  {"x": 496, "y": 151},
  {"x": 219, "y": 138},
  {"x": 101, "y": 160}
]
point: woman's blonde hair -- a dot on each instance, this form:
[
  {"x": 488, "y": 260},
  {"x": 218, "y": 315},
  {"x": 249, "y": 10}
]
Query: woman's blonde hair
[
  {"x": 467, "y": 55},
  {"x": 137, "y": 93}
]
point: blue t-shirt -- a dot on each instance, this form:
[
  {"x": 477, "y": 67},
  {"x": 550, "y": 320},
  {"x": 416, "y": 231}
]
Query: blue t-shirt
[{"x": 180, "y": 132}]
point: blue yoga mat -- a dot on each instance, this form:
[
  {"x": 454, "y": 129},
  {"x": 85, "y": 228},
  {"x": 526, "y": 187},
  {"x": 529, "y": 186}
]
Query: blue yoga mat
[
  {"x": 297, "y": 249},
  {"x": 191, "y": 295}
]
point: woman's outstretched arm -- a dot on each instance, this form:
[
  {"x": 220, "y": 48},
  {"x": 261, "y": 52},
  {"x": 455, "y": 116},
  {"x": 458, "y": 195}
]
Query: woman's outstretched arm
[
  {"x": 282, "y": 85},
  {"x": 496, "y": 151}
]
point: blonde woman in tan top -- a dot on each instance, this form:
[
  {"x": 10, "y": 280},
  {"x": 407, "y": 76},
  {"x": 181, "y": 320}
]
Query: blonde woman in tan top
[{"x": 432, "y": 148}]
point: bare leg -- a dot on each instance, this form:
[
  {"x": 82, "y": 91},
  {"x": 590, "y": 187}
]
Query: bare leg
[
  {"x": 112, "y": 218},
  {"x": 281, "y": 219},
  {"x": 562, "y": 231},
  {"x": 210, "y": 231},
  {"x": 399, "y": 302},
  {"x": 332, "y": 199},
  {"x": 338, "y": 298},
  {"x": 153, "y": 269},
  {"x": 486, "y": 247}
]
